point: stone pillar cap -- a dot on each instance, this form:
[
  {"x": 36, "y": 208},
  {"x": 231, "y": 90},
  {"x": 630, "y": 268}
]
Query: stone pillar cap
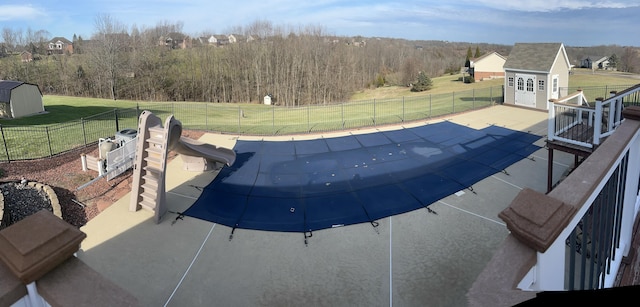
[
  {"x": 38, "y": 243},
  {"x": 536, "y": 219}
]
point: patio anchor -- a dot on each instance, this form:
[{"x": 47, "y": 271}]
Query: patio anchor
[
  {"x": 309, "y": 236},
  {"x": 471, "y": 189},
  {"x": 179, "y": 217},
  {"x": 375, "y": 225},
  {"x": 232, "y": 230}
]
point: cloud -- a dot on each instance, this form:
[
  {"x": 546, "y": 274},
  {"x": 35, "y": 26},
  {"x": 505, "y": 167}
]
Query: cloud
[
  {"x": 19, "y": 12},
  {"x": 549, "y": 6}
]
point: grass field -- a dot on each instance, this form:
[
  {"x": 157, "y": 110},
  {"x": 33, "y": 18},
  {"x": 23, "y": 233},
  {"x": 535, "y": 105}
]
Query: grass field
[
  {"x": 71, "y": 122},
  {"x": 451, "y": 83}
]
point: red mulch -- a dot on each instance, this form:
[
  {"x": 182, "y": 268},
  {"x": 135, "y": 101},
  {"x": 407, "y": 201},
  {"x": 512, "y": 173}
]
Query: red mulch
[{"x": 64, "y": 174}]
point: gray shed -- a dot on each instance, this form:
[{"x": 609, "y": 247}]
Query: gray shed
[
  {"x": 535, "y": 73},
  {"x": 18, "y": 99}
]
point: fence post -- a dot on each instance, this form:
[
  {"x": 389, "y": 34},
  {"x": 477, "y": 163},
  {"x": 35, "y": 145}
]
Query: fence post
[
  {"x": 115, "y": 113},
  {"x": 403, "y": 109},
  {"x": 491, "y": 95},
  {"x": 453, "y": 102},
  {"x": 206, "y": 116},
  {"x": 308, "y": 118},
  {"x": 4, "y": 141},
  {"x": 473, "y": 93},
  {"x": 342, "y": 114},
  {"x": 84, "y": 132},
  {"x": 239, "y": 118},
  {"x": 49, "y": 141},
  {"x": 374, "y": 111},
  {"x": 273, "y": 120},
  {"x": 430, "y": 110}
]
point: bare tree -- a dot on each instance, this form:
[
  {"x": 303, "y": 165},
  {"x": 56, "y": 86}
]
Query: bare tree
[
  {"x": 629, "y": 60},
  {"x": 9, "y": 38},
  {"x": 107, "y": 53}
]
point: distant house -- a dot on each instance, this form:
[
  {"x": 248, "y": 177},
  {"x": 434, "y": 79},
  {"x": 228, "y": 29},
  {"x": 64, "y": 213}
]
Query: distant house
[
  {"x": 238, "y": 38},
  {"x": 59, "y": 45},
  {"x": 175, "y": 40},
  {"x": 534, "y": 73},
  {"x": 218, "y": 40},
  {"x": 200, "y": 41},
  {"x": 26, "y": 56},
  {"x": 18, "y": 99},
  {"x": 595, "y": 62},
  {"x": 488, "y": 66}
]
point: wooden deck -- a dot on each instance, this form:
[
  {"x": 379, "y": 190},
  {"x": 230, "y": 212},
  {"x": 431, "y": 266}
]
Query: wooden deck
[{"x": 580, "y": 133}]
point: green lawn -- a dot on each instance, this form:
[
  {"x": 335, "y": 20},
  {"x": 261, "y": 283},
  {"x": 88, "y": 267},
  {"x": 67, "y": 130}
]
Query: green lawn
[
  {"x": 72, "y": 122},
  {"x": 451, "y": 83},
  {"x": 441, "y": 85},
  {"x": 586, "y": 78}
]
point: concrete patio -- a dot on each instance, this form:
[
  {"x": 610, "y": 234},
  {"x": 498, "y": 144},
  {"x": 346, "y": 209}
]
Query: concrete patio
[{"x": 414, "y": 259}]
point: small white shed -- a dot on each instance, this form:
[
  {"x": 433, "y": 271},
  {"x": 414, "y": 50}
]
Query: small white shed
[
  {"x": 535, "y": 73},
  {"x": 18, "y": 99}
]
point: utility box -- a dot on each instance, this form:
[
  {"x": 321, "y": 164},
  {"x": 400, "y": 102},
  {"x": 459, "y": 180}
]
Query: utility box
[{"x": 125, "y": 135}]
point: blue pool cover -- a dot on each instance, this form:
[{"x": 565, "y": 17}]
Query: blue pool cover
[{"x": 301, "y": 186}]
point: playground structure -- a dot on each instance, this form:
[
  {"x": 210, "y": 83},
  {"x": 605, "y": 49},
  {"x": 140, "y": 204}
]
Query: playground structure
[{"x": 154, "y": 141}]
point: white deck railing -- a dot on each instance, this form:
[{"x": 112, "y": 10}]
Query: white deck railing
[
  {"x": 573, "y": 120},
  {"x": 588, "y": 252}
]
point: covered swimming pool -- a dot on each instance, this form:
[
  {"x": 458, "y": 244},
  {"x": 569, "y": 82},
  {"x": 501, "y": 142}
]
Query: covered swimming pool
[{"x": 308, "y": 185}]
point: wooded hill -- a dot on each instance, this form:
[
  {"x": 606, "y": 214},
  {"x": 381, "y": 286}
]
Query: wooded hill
[{"x": 305, "y": 66}]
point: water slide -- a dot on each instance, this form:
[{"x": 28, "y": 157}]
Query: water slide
[
  {"x": 196, "y": 155},
  {"x": 152, "y": 148}
]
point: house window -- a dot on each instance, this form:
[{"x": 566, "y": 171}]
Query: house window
[
  {"x": 510, "y": 82},
  {"x": 529, "y": 85},
  {"x": 541, "y": 85},
  {"x": 555, "y": 85},
  {"x": 520, "y": 84}
]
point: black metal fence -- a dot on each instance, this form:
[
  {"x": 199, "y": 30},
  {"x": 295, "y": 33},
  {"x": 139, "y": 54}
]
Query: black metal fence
[
  {"x": 593, "y": 92},
  {"x": 34, "y": 142}
]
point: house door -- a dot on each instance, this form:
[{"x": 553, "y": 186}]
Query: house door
[
  {"x": 525, "y": 90},
  {"x": 554, "y": 87}
]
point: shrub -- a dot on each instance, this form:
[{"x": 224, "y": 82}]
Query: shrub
[{"x": 424, "y": 83}]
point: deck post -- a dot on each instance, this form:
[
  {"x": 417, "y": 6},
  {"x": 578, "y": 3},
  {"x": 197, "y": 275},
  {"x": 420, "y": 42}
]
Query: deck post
[
  {"x": 550, "y": 170},
  {"x": 597, "y": 125},
  {"x": 552, "y": 120}
]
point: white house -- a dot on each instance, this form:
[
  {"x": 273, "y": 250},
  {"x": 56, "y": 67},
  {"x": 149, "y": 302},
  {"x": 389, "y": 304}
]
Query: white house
[
  {"x": 595, "y": 62},
  {"x": 488, "y": 66}
]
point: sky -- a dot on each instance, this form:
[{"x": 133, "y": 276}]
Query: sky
[{"x": 572, "y": 22}]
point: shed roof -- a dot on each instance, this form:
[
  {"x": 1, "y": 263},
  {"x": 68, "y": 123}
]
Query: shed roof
[
  {"x": 533, "y": 56},
  {"x": 5, "y": 89},
  {"x": 7, "y": 85}
]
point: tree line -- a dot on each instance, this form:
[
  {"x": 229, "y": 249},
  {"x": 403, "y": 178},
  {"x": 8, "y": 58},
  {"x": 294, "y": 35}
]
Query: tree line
[{"x": 294, "y": 65}]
